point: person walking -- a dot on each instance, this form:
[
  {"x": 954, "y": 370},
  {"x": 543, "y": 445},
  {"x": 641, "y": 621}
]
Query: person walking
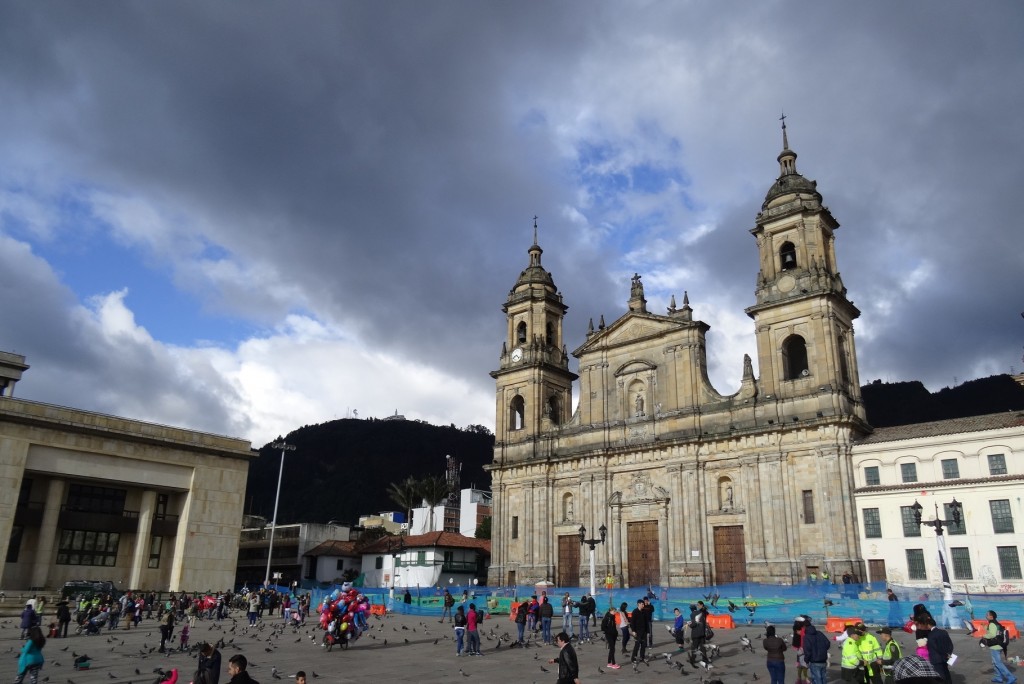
[
  {"x": 30, "y": 662},
  {"x": 448, "y": 601},
  {"x": 610, "y": 629},
  {"x": 993, "y": 639},
  {"x": 208, "y": 667},
  {"x": 679, "y": 629},
  {"x": 28, "y": 620},
  {"x": 166, "y": 630},
  {"x": 568, "y": 663},
  {"x": 638, "y": 629},
  {"x": 623, "y": 622},
  {"x": 895, "y": 618},
  {"x": 63, "y": 619},
  {"x": 775, "y": 646},
  {"x": 585, "y": 612},
  {"x": 460, "y": 629}
]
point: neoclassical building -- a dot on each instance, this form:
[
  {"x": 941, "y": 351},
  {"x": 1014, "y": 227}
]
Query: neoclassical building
[
  {"x": 695, "y": 487},
  {"x": 88, "y": 496}
]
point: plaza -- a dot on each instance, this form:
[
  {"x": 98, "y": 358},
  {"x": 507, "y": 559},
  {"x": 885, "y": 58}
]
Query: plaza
[{"x": 406, "y": 648}]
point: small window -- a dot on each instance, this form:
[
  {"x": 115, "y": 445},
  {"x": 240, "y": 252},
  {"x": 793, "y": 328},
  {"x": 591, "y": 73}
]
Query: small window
[
  {"x": 379, "y": 563},
  {"x": 950, "y": 469},
  {"x": 952, "y": 527},
  {"x": 915, "y": 564},
  {"x": 549, "y": 334},
  {"x": 517, "y": 413},
  {"x": 515, "y": 527},
  {"x": 521, "y": 333},
  {"x": 156, "y": 544},
  {"x": 872, "y": 524},
  {"x": 1002, "y": 519},
  {"x": 339, "y": 564},
  {"x": 421, "y": 558},
  {"x": 996, "y": 464},
  {"x": 808, "y": 499},
  {"x": 871, "y": 477},
  {"x": 553, "y": 413},
  {"x": 961, "y": 557},
  {"x": 910, "y": 526},
  {"x": 908, "y": 472},
  {"x": 787, "y": 256},
  {"x": 794, "y": 358},
  {"x": 14, "y": 545},
  {"x": 1009, "y": 562}
]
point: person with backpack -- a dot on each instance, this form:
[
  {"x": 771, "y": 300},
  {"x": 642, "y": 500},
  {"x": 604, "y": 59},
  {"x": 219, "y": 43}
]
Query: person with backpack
[
  {"x": 610, "y": 629},
  {"x": 995, "y": 638},
  {"x": 587, "y": 606}
]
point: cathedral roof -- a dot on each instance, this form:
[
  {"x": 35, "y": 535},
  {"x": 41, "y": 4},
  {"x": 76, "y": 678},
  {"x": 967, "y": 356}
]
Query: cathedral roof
[
  {"x": 535, "y": 273},
  {"x": 789, "y": 181}
]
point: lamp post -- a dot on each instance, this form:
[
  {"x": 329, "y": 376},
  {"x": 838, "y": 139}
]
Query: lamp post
[
  {"x": 592, "y": 543},
  {"x": 395, "y": 550},
  {"x": 283, "y": 446},
  {"x": 956, "y": 511}
]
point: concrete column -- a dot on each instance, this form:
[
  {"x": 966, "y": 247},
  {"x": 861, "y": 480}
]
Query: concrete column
[
  {"x": 48, "y": 532},
  {"x": 140, "y": 559}
]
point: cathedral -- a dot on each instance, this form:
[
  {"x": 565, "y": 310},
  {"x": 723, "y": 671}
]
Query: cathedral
[{"x": 691, "y": 487}]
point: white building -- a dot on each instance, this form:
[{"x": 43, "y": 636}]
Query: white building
[
  {"x": 426, "y": 560},
  {"x": 979, "y": 461},
  {"x": 474, "y": 506}
]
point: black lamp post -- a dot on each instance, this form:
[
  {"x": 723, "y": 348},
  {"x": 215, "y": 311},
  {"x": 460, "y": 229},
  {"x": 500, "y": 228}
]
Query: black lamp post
[
  {"x": 956, "y": 511},
  {"x": 593, "y": 544}
]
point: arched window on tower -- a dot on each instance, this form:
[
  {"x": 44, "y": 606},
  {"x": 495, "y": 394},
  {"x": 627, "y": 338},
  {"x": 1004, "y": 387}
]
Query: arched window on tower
[
  {"x": 517, "y": 413},
  {"x": 550, "y": 334},
  {"x": 521, "y": 332},
  {"x": 552, "y": 409},
  {"x": 794, "y": 358},
  {"x": 787, "y": 256},
  {"x": 844, "y": 366}
]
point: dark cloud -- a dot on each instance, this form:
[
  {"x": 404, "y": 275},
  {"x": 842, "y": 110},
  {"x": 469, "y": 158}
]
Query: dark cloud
[{"x": 378, "y": 164}]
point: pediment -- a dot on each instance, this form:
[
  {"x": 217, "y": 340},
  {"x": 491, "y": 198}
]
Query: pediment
[{"x": 630, "y": 328}]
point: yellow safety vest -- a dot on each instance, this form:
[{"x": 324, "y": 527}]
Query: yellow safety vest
[
  {"x": 851, "y": 654},
  {"x": 870, "y": 651}
]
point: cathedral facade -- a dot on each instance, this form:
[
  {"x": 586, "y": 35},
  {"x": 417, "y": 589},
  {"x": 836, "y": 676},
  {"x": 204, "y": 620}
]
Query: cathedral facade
[{"x": 693, "y": 487}]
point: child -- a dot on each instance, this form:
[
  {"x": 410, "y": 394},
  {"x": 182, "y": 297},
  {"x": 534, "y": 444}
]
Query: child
[
  {"x": 184, "y": 638},
  {"x": 31, "y": 659},
  {"x": 300, "y": 677}
]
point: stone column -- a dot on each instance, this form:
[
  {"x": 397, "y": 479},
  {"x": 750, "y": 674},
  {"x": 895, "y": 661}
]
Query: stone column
[
  {"x": 140, "y": 559},
  {"x": 48, "y": 532}
]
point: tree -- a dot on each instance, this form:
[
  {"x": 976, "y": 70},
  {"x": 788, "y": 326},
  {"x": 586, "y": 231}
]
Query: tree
[
  {"x": 483, "y": 530},
  {"x": 434, "y": 489},
  {"x": 406, "y": 494}
]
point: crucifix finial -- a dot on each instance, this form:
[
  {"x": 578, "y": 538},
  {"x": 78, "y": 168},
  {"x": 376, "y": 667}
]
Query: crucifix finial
[
  {"x": 535, "y": 229},
  {"x": 785, "y": 138}
]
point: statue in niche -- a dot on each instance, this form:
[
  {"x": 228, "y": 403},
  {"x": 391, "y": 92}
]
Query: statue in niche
[
  {"x": 568, "y": 509},
  {"x": 748, "y": 367},
  {"x": 639, "y": 404}
]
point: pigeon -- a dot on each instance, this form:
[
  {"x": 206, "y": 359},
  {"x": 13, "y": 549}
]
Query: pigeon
[
  {"x": 543, "y": 669},
  {"x": 956, "y": 604},
  {"x": 462, "y": 673},
  {"x": 732, "y": 607},
  {"x": 112, "y": 675}
]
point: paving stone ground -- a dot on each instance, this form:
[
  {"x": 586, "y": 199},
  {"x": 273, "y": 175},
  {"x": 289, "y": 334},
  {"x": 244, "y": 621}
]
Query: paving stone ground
[{"x": 402, "y": 649}]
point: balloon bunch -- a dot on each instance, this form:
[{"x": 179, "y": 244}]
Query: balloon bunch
[{"x": 343, "y": 617}]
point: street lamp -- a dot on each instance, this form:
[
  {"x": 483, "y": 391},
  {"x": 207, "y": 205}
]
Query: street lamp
[
  {"x": 279, "y": 444},
  {"x": 956, "y": 511},
  {"x": 395, "y": 550},
  {"x": 592, "y": 543}
]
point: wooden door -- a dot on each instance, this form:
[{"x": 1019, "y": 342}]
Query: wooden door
[
  {"x": 730, "y": 555},
  {"x": 644, "y": 562},
  {"x": 569, "y": 561},
  {"x": 876, "y": 570}
]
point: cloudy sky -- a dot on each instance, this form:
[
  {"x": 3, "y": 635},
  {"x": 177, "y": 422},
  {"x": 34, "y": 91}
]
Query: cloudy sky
[{"x": 247, "y": 217}]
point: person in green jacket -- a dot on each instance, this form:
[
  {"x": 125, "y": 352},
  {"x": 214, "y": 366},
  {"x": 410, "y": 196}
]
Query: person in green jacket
[
  {"x": 993, "y": 639},
  {"x": 870, "y": 654},
  {"x": 30, "y": 661}
]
